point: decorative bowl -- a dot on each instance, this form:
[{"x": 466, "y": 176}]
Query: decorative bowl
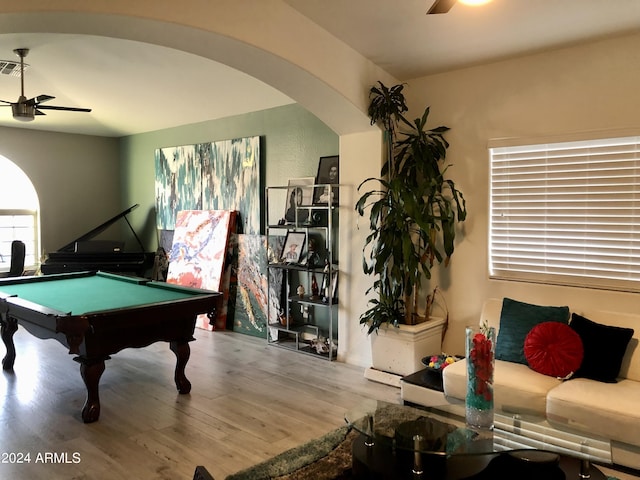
[{"x": 437, "y": 363}]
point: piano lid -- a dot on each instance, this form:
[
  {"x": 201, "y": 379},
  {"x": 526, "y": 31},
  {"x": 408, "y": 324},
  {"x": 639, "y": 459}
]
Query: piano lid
[{"x": 71, "y": 246}]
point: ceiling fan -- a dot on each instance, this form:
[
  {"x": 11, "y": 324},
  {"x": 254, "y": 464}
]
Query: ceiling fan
[{"x": 25, "y": 110}]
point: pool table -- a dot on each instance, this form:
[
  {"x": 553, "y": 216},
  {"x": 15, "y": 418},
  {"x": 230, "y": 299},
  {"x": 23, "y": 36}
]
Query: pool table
[{"x": 97, "y": 314}]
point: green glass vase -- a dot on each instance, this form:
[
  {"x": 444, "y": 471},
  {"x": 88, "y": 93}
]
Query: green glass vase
[{"x": 480, "y": 365}]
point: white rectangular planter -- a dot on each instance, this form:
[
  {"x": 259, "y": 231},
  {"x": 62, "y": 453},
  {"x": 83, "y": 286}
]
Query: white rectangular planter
[{"x": 399, "y": 350}]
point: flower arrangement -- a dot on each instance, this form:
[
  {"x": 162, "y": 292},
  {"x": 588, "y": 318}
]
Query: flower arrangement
[
  {"x": 481, "y": 356},
  {"x": 480, "y": 351}
]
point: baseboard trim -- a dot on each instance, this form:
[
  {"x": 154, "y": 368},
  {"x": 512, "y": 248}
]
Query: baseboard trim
[{"x": 379, "y": 376}]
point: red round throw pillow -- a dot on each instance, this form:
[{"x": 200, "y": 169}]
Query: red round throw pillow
[{"x": 554, "y": 349}]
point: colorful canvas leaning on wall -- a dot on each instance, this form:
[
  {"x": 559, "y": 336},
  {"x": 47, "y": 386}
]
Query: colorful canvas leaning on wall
[
  {"x": 199, "y": 254},
  {"x": 253, "y": 297}
]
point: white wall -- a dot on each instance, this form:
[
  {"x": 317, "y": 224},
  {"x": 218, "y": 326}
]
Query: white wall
[
  {"x": 363, "y": 152},
  {"x": 591, "y": 88}
]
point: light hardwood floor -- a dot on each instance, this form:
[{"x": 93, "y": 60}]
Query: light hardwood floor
[{"x": 249, "y": 402}]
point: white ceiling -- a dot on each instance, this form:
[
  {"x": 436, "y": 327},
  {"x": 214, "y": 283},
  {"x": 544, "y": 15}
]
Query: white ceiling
[
  {"x": 134, "y": 87},
  {"x": 398, "y": 35},
  {"x": 131, "y": 87}
]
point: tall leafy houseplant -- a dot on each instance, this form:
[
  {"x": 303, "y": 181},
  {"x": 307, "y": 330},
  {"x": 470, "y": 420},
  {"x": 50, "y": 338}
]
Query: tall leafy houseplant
[{"x": 413, "y": 210}]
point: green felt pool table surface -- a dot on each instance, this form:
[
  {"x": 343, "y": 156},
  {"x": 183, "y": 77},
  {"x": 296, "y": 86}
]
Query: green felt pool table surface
[
  {"x": 94, "y": 293},
  {"x": 97, "y": 314}
]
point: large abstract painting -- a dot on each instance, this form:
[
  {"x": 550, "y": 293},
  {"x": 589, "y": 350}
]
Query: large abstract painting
[
  {"x": 199, "y": 253},
  {"x": 223, "y": 175}
]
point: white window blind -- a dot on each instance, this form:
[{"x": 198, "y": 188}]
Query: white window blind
[{"x": 567, "y": 213}]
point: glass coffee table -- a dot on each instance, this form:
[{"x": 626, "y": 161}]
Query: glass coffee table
[{"x": 399, "y": 441}]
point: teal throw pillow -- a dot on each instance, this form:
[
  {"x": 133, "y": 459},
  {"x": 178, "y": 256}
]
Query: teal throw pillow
[{"x": 516, "y": 321}]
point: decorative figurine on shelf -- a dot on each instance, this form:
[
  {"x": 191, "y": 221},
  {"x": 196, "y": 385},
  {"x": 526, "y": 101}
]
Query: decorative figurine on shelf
[
  {"x": 282, "y": 317},
  {"x": 300, "y": 291},
  {"x": 325, "y": 282},
  {"x": 319, "y": 345},
  {"x": 312, "y": 254},
  {"x": 314, "y": 287},
  {"x": 317, "y": 218}
]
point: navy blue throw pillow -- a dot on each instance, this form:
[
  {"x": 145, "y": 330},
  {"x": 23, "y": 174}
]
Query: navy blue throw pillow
[{"x": 604, "y": 348}]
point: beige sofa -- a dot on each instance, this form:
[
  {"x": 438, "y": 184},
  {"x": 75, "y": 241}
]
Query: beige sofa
[{"x": 610, "y": 410}]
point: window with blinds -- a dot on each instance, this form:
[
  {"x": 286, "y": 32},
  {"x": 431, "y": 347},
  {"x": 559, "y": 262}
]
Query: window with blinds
[
  {"x": 19, "y": 215},
  {"x": 18, "y": 225},
  {"x": 567, "y": 213}
]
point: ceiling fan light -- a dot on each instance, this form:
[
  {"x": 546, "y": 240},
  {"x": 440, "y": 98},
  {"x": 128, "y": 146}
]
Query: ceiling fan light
[
  {"x": 474, "y": 3},
  {"x": 23, "y": 118}
]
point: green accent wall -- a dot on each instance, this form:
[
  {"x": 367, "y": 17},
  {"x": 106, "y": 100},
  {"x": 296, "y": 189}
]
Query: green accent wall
[{"x": 292, "y": 141}]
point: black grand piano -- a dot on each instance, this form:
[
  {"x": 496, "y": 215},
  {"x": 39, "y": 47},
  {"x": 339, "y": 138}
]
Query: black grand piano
[{"x": 83, "y": 253}]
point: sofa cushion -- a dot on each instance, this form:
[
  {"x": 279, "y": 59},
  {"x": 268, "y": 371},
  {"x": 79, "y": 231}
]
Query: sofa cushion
[
  {"x": 516, "y": 321},
  {"x": 516, "y": 388},
  {"x": 554, "y": 349},
  {"x": 604, "y": 348},
  {"x": 603, "y": 409}
]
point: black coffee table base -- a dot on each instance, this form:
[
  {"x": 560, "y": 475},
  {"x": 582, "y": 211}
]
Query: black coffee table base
[{"x": 379, "y": 462}]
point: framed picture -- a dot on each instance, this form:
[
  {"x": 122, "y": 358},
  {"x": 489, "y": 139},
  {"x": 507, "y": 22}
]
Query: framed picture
[
  {"x": 299, "y": 194},
  {"x": 292, "y": 248},
  {"x": 328, "y": 174}
]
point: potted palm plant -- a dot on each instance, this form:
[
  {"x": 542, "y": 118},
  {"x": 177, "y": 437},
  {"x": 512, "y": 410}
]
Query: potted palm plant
[{"x": 413, "y": 210}]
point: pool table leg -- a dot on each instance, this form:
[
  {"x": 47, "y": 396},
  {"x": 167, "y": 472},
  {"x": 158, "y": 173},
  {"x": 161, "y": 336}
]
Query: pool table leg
[
  {"x": 7, "y": 328},
  {"x": 91, "y": 373},
  {"x": 182, "y": 352}
]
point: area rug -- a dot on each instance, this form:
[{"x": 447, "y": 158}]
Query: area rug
[
  {"x": 327, "y": 457},
  {"x": 324, "y": 458}
]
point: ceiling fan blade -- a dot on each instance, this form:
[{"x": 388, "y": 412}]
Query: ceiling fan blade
[
  {"x": 43, "y": 98},
  {"x": 6, "y": 103},
  {"x": 39, "y": 99},
  {"x": 70, "y": 109},
  {"x": 38, "y": 112},
  {"x": 441, "y": 6}
]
